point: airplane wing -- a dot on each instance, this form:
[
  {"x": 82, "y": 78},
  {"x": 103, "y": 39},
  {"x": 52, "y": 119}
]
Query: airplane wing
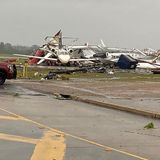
[
  {"x": 148, "y": 62},
  {"x": 46, "y": 56},
  {"x": 63, "y": 60},
  {"x": 29, "y": 56},
  {"x": 55, "y": 59},
  {"x": 82, "y": 47},
  {"x": 83, "y": 59},
  {"x": 148, "y": 65}
]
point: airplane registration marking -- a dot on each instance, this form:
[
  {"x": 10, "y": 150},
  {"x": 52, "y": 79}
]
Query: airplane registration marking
[
  {"x": 51, "y": 146},
  {"x": 78, "y": 138}
]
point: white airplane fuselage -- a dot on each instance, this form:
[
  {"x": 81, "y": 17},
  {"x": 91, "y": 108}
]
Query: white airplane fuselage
[
  {"x": 143, "y": 65},
  {"x": 64, "y": 58}
]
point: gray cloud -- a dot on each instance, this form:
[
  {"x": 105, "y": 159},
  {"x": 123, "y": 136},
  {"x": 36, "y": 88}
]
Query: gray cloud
[{"x": 124, "y": 23}]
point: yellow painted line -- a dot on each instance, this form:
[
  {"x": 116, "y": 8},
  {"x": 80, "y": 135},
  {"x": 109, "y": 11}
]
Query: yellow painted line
[
  {"x": 50, "y": 147},
  {"x": 79, "y": 138},
  {"x": 13, "y": 115},
  {"x": 18, "y": 138},
  {"x": 15, "y": 118}
]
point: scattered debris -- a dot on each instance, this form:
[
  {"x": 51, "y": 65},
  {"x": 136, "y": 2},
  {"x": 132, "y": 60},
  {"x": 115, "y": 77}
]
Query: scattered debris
[
  {"x": 64, "y": 78},
  {"x": 156, "y": 71},
  {"x": 56, "y": 74},
  {"x": 51, "y": 75},
  {"x": 16, "y": 94},
  {"x": 63, "y": 96},
  {"x": 36, "y": 74},
  {"x": 111, "y": 72}
]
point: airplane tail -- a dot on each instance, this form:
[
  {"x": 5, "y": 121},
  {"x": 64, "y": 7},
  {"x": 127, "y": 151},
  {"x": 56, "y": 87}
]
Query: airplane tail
[
  {"x": 102, "y": 43},
  {"x": 58, "y": 37},
  {"x": 102, "y": 46},
  {"x": 55, "y": 40},
  {"x": 155, "y": 59}
]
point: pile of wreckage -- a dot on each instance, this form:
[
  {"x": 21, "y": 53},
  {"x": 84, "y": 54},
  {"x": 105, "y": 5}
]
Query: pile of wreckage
[{"x": 54, "y": 52}]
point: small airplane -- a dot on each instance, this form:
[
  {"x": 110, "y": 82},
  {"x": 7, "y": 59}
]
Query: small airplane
[
  {"x": 54, "y": 50},
  {"x": 115, "y": 53},
  {"x": 135, "y": 56},
  {"x": 146, "y": 65},
  {"x": 149, "y": 64}
]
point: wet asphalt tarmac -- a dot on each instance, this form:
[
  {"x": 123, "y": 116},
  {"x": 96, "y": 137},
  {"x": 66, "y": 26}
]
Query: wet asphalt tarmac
[{"x": 90, "y": 132}]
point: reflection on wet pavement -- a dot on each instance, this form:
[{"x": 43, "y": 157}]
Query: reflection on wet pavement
[{"x": 13, "y": 90}]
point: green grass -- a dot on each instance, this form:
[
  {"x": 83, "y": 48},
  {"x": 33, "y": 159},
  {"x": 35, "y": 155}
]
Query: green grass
[
  {"x": 149, "y": 126},
  {"x": 31, "y": 73},
  {"x": 118, "y": 76}
]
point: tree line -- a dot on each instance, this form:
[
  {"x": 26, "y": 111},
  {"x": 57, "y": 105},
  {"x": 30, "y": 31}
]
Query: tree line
[{"x": 7, "y": 48}]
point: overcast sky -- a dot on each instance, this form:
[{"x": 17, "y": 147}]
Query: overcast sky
[{"x": 120, "y": 23}]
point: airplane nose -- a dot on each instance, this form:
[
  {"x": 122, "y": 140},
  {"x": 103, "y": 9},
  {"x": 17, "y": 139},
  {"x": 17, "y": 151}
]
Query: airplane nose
[{"x": 64, "y": 58}]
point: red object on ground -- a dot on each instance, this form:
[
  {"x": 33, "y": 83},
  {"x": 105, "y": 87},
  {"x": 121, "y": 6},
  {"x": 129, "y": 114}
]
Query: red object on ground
[
  {"x": 38, "y": 53},
  {"x": 7, "y": 71}
]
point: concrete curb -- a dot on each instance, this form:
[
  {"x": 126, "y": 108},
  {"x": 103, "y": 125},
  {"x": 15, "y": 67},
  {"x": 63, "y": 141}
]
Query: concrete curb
[
  {"x": 107, "y": 105},
  {"x": 118, "y": 107}
]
